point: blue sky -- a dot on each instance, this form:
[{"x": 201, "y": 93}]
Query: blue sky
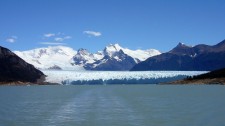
[{"x": 93, "y": 24}]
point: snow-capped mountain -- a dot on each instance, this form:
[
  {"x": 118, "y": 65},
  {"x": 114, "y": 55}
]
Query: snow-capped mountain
[
  {"x": 137, "y": 55},
  {"x": 52, "y": 57},
  {"x": 113, "y": 57},
  {"x": 114, "y": 62},
  {"x": 84, "y": 57}
]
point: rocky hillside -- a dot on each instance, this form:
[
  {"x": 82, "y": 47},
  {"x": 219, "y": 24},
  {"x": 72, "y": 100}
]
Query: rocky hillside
[
  {"x": 187, "y": 58},
  {"x": 15, "y": 69}
]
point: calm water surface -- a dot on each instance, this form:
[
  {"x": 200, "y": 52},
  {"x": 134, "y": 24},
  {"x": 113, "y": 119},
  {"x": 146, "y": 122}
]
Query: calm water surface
[{"x": 120, "y": 105}]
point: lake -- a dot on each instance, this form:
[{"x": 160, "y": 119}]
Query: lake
[{"x": 113, "y": 105}]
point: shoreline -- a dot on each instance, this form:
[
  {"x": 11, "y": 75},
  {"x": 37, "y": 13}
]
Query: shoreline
[
  {"x": 213, "y": 81},
  {"x": 19, "y": 83}
]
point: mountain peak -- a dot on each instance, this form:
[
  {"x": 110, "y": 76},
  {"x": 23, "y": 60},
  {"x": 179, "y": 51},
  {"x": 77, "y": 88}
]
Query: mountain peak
[
  {"x": 222, "y": 43},
  {"x": 111, "y": 49},
  {"x": 183, "y": 45},
  {"x": 115, "y": 46},
  {"x": 180, "y": 44},
  {"x": 181, "y": 48},
  {"x": 83, "y": 51}
]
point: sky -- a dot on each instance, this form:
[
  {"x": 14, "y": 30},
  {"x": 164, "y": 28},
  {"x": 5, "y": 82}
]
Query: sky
[{"x": 94, "y": 24}]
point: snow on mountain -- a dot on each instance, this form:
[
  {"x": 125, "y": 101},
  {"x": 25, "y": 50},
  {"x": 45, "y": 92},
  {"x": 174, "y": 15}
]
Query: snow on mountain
[
  {"x": 84, "y": 57},
  {"x": 113, "y": 57},
  {"x": 111, "y": 49},
  {"x": 141, "y": 55},
  {"x": 52, "y": 57},
  {"x": 137, "y": 55},
  {"x": 117, "y": 61}
]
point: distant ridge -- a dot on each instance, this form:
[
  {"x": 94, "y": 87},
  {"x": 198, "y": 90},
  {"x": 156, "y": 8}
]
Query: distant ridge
[{"x": 185, "y": 58}]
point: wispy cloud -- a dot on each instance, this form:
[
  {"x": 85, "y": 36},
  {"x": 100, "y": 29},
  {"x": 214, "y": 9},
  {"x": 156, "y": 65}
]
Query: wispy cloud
[
  {"x": 67, "y": 37},
  {"x": 93, "y": 33},
  {"x": 55, "y": 39},
  {"x": 11, "y": 39},
  {"x": 48, "y": 35},
  {"x": 60, "y": 39},
  {"x": 52, "y": 43}
]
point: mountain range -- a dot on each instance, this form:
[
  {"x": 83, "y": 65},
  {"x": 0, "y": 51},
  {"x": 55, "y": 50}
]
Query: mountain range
[
  {"x": 187, "y": 58},
  {"x": 21, "y": 66},
  {"x": 112, "y": 57},
  {"x": 116, "y": 58}
]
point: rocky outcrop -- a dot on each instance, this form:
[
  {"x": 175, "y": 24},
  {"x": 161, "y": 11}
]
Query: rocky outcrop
[{"x": 15, "y": 69}]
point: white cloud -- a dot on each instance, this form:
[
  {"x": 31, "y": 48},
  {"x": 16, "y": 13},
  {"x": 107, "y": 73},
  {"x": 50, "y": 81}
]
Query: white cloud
[
  {"x": 52, "y": 43},
  {"x": 55, "y": 39},
  {"x": 93, "y": 33},
  {"x": 11, "y": 39},
  {"x": 67, "y": 37},
  {"x": 60, "y": 39},
  {"x": 48, "y": 35}
]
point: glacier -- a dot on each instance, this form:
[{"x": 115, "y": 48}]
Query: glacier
[{"x": 66, "y": 77}]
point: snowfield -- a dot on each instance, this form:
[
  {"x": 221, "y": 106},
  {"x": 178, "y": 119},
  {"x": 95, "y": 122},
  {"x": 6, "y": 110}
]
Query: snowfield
[
  {"x": 66, "y": 58},
  {"x": 116, "y": 77},
  {"x": 51, "y": 57}
]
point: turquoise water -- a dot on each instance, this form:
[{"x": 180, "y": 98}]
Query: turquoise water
[{"x": 113, "y": 105}]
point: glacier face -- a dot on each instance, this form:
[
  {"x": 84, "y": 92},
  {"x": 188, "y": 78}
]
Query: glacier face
[{"x": 116, "y": 77}]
